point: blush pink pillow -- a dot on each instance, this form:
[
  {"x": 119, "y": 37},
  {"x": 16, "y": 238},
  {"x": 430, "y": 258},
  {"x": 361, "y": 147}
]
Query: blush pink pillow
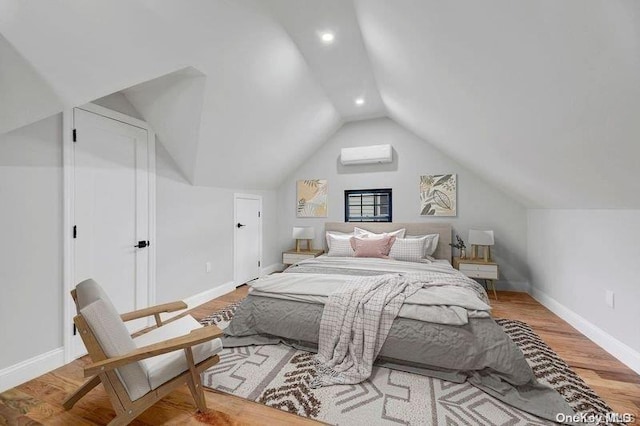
[{"x": 372, "y": 247}]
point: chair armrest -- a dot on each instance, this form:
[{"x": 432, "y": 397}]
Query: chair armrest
[
  {"x": 197, "y": 336},
  {"x": 155, "y": 311}
]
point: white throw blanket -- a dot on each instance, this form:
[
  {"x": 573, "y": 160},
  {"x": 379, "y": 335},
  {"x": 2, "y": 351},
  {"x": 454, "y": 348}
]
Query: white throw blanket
[{"x": 355, "y": 324}]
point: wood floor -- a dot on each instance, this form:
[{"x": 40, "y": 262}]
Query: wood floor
[{"x": 40, "y": 400}]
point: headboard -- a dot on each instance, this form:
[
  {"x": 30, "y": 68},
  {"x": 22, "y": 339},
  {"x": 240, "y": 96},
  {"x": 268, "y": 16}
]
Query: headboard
[{"x": 443, "y": 251}]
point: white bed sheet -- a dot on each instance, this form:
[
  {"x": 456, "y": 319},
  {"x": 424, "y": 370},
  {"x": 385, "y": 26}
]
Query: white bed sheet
[{"x": 445, "y": 304}]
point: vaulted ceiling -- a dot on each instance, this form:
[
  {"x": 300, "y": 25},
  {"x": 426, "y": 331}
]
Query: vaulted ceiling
[{"x": 540, "y": 97}]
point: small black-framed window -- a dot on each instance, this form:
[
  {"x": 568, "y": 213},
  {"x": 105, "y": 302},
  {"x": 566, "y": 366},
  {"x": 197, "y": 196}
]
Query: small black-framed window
[{"x": 368, "y": 205}]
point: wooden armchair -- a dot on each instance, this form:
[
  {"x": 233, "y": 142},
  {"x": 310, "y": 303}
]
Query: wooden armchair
[{"x": 138, "y": 372}]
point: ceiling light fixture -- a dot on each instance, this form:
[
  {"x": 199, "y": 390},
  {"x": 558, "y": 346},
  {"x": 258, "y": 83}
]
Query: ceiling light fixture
[
  {"x": 359, "y": 101},
  {"x": 327, "y": 37}
]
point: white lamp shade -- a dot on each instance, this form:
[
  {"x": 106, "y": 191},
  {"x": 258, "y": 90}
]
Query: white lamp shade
[
  {"x": 481, "y": 238},
  {"x": 304, "y": 232}
]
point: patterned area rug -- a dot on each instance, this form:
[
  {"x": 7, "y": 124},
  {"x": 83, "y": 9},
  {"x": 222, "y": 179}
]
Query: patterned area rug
[{"x": 278, "y": 376}]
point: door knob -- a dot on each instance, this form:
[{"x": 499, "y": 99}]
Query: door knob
[
  {"x": 142, "y": 244},
  {"x": 239, "y": 225}
]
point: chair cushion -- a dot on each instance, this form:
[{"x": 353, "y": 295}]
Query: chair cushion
[
  {"x": 112, "y": 335},
  {"x": 163, "y": 368},
  {"x": 89, "y": 291}
]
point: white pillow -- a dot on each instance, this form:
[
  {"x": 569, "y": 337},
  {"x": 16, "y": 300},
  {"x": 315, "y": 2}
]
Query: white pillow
[
  {"x": 340, "y": 245},
  {"x": 408, "y": 249},
  {"x": 430, "y": 245},
  {"x": 359, "y": 232},
  {"x": 336, "y": 234}
]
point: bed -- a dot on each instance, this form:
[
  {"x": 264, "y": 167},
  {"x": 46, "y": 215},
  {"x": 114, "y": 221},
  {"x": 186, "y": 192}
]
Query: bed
[{"x": 443, "y": 330}]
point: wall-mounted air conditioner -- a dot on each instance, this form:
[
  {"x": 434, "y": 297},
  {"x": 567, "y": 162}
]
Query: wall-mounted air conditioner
[{"x": 366, "y": 155}]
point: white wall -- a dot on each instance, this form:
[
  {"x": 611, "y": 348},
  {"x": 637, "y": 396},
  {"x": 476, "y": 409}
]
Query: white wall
[
  {"x": 26, "y": 96},
  {"x": 195, "y": 225},
  {"x": 119, "y": 102},
  {"x": 31, "y": 240},
  {"x": 576, "y": 255},
  {"x": 479, "y": 204}
]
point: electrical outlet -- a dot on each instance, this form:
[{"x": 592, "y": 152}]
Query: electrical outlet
[
  {"x": 609, "y": 298},
  {"x": 207, "y": 267}
]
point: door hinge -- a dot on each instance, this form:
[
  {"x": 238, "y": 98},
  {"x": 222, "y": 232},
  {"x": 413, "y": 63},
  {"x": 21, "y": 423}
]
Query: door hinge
[
  {"x": 75, "y": 135},
  {"x": 75, "y": 329},
  {"x": 75, "y": 231},
  {"x": 258, "y": 214},
  {"x": 258, "y": 263}
]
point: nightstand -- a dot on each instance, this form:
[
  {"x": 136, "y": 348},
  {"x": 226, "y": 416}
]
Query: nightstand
[
  {"x": 290, "y": 257},
  {"x": 478, "y": 268}
]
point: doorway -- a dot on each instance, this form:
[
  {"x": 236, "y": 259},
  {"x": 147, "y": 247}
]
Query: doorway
[
  {"x": 110, "y": 197},
  {"x": 247, "y": 237}
]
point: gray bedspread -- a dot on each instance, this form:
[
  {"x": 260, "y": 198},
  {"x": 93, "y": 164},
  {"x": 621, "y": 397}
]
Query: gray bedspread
[{"x": 478, "y": 352}]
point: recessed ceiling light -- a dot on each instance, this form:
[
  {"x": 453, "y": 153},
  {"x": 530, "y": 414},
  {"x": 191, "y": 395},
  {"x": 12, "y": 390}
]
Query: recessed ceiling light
[
  {"x": 359, "y": 101},
  {"x": 327, "y": 37}
]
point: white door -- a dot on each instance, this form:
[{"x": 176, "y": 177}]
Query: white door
[
  {"x": 111, "y": 211},
  {"x": 248, "y": 238}
]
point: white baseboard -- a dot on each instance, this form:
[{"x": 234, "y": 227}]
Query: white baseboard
[
  {"x": 41, "y": 364},
  {"x": 31, "y": 368},
  {"x": 200, "y": 298},
  {"x": 615, "y": 347},
  {"x": 271, "y": 269}
]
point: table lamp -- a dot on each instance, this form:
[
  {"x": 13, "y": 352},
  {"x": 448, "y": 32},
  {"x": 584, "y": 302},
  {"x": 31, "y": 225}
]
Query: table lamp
[
  {"x": 304, "y": 233},
  {"x": 484, "y": 239}
]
